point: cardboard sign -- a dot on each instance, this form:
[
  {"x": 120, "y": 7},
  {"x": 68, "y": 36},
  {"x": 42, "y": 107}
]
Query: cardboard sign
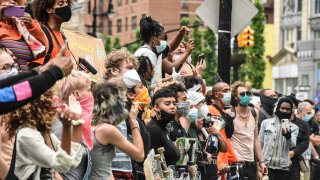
[{"x": 87, "y": 47}]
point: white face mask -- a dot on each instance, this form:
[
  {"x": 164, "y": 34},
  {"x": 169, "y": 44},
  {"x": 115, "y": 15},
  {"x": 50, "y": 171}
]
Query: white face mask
[
  {"x": 203, "y": 111},
  {"x": 6, "y": 75}
]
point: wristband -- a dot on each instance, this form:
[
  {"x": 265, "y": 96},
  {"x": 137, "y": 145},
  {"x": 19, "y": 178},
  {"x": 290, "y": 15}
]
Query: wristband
[{"x": 134, "y": 128}]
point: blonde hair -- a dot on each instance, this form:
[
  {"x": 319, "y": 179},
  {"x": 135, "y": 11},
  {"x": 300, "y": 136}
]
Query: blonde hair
[
  {"x": 77, "y": 80},
  {"x": 115, "y": 58}
]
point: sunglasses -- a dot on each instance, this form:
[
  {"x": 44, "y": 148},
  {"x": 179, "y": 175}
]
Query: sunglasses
[{"x": 245, "y": 93}]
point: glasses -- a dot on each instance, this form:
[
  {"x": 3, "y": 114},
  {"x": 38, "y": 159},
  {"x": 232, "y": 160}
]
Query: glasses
[
  {"x": 8, "y": 67},
  {"x": 245, "y": 93}
]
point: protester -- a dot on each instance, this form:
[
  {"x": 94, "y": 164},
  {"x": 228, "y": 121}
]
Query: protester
[
  {"x": 34, "y": 133},
  {"x": 109, "y": 110},
  {"x": 268, "y": 98},
  {"x": 315, "y": 165},
  {"x": 23, "y": 35},
  {"x": 155, "y": 44},
  {"x": 78, "y": 84},
  {"x": 221, "y": 95},
  {"x": 276, "y": 140},
  {"x": 245, "y": 139},
  {"x": 303, "y": 139},
  {"x": 51, "y": 14},
  {"x": 18, "y": 90},
  {"x": 145, "y": 70},
  {"x": 164, "y": 106}
]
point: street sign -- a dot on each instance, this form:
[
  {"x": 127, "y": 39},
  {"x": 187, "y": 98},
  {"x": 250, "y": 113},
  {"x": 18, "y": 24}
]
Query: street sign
[
  {"x": 303, "y": 88},
  {"x": 302, "y": 96},
  {"x": 242, "y": 13}
]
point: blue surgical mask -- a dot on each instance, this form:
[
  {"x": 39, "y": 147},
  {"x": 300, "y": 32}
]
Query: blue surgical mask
[
  {"x": 244, "y": 100},
  {"x": 193, "y": 115},
  {"x": 307, "y": 117},
  {"x": 226, "y": 98},
  {"x": 162, "y": 46}
]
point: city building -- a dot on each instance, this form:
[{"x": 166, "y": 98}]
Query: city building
[
  {"x": 308, "y": 50},
  {"x": 289, "y": 29},
  {"x": 127, "y": 15},
  {"x": 76, "y": 22}
]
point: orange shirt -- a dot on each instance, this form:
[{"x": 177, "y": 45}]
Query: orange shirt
[
  {"x": 224, "y": 158},
  {"x": 56, "y": 48}
]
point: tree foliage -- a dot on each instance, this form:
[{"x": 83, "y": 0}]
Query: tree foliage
[{"x": 252, "y": 71}]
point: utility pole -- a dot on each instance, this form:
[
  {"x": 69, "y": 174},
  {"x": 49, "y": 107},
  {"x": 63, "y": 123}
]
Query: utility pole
[
  {"x": 94, "y": 23},
  {"x": 224, "y": 36}
]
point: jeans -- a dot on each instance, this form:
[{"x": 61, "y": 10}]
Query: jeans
[
  {"x": 294, "y": 173},
  {"x": 315, "y": 171},
  {"x": 248, "y": 171}
]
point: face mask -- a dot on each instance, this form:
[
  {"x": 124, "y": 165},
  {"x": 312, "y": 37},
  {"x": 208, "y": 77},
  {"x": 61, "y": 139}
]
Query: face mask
[
  {"x": 307, "y": 117},
  {"x": 175, "y": 57},
  {"x": 283, "y": 115},
  {"x": 166, "y": 117},
  {"x": 193, "y": 115},
  {"x": 86, "y": 103},
  {"x": 64, "y": 13},
  {"x": 244, "y": 100},
  {"x": 183, "y": 108},
  {"x": 203, "y": 111},
  {"x": 143, "y": 99},
  {"x": 268, "y": 103},
  {"x": 162, "y": 46},
  {"x": 6, "y": 75},
  {"x": 226, "y": 99}
]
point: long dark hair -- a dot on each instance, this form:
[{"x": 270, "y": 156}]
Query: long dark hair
[
  {"x": 39, "y": 9},
  {"x": 149, "y": 27}
]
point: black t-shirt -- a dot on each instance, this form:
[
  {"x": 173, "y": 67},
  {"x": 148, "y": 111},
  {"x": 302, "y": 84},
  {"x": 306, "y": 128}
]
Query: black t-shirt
[
  {"x": 314, "y": 127},
  {"x": 303, "y": 136},
  {"x": 175, "y": 131},
  {"x": 159, "y": 139}
]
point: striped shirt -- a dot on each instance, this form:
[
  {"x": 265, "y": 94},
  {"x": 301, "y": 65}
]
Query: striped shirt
[{"x": 20, "y": 50}]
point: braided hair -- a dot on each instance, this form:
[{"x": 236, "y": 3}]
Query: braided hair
[{"x": 149, "y": 27}]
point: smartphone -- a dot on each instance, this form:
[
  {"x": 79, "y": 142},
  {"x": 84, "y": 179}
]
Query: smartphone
[
  {"x": 201, "y": 57},
  {"x": 285, "y": 124},
  {"x": 16, "y": 11}
]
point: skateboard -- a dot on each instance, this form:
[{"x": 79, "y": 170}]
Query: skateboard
[
  {"x": 187, "y": 148},
  {"x": 165, "y": 171},
  {"x": 150, "y": 166}
]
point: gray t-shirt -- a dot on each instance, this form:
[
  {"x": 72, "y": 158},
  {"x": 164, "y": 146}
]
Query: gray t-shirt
[{"x": 77, "y": 173}]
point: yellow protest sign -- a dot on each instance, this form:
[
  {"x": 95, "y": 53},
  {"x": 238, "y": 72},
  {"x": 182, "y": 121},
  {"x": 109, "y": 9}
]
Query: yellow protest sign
[{"x": 87, "y": 47}]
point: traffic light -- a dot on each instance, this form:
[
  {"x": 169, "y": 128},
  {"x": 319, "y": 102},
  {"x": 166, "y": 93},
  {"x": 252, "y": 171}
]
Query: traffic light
[{"x": 246, "y": 38}]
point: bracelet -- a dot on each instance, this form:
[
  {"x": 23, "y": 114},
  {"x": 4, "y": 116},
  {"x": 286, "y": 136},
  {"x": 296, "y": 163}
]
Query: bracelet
[
  {"x": 261, "y": 162},
  {"x": 77, "y": 122},
  {"x": 134, "y": 128}
]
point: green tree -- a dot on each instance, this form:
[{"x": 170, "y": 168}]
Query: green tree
[
  {"x": 252, "y": 71},
  {"x": 197, "y": 37},
  {"x": 116, "y": 43},
  {"x": 133, "y": 47},
  {"x": 209, "y": 50}
]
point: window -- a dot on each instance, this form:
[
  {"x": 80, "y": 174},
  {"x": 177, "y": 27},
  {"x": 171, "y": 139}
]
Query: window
[
  {"x": 110, "y": 27},
  {"x": 317, "y": 7},
  {"x": 279, "y": 85},
  {"x": 126, "y": 26},
  {"x": 298, "y": 33},
  {"x": 133, "y": 1},
  {"x": 134, "y": 22},
  {"x": 119, "y": 25},
  {"x": 316, "y": 34},
  {"x": 299, "y": 6},
  {"x": 304, "y": 79},
  {"x": 119, "y": 2}
]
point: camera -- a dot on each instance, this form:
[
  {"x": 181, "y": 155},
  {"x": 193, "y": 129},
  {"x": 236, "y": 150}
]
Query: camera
[
  {"x": 207, "y": 121},
  {"x": 85, "y": 65}
]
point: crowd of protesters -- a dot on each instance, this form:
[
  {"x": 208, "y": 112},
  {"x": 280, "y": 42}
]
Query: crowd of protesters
[{"x": 56, "y": 122}]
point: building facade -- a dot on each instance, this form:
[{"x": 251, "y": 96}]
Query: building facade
[
  {"x": 128, "y": 13},
  {"x": 289, "y": 30},
  {"x": 76, "y": 22}
]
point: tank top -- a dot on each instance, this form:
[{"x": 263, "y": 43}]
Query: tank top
[
  {"x": 242, "y": 139},
  {"x": 101, "y": 158}
]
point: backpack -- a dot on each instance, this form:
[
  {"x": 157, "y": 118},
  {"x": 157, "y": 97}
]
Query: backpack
[{"x": 48, "y": 31}]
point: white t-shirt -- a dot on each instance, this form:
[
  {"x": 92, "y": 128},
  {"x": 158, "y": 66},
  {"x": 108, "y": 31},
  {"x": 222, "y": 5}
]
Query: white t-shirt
[{"x": 145, "y": 50}]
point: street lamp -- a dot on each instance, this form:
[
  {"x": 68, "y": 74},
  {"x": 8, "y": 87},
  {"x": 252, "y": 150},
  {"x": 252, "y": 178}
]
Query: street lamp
[{"x": 110, "y": 14}]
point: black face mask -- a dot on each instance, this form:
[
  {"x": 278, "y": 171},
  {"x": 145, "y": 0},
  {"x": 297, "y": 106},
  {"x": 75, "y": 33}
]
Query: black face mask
[
  {"x": 283, "y": 115},
  {"x": 268, "y": 103},
  {"x": 64, "y": 13},
  {"x": 166, "y": 117}
]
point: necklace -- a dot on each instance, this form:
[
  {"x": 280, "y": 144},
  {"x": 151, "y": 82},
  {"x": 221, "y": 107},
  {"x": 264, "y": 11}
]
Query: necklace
[{"x": 244, "y": 117}]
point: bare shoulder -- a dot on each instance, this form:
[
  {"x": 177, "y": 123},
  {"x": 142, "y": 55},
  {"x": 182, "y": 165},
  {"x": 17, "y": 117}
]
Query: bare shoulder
[{"x": 106, "y": 133}]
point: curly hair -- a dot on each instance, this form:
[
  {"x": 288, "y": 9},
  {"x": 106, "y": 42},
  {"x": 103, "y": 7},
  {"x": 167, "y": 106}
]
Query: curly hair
[
  {"x": 39, "y": 114},
  {"x": 115, "y": 58},
  {"x": 149, "y": 27},
  {"x": 234, "y": 91},
  {"x": 109, "y": 106},
  {"x": 39, "y": 9}
]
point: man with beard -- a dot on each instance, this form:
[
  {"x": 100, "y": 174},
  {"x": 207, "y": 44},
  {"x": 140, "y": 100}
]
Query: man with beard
[
  {"x": 276, "y": 140},
  {"x": 268, "y": 98}
]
